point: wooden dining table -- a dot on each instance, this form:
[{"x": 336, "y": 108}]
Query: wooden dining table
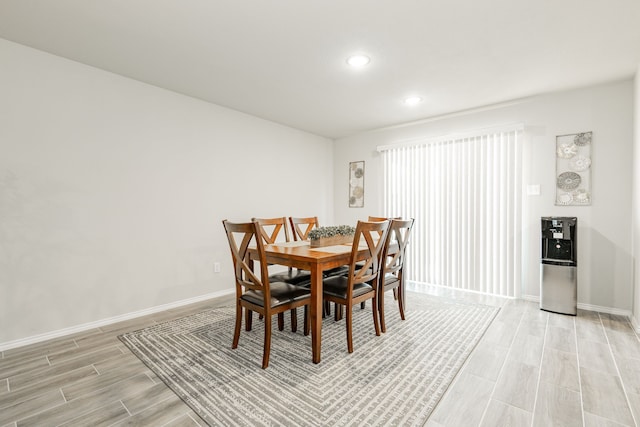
[{"x": 301, "y": 255}]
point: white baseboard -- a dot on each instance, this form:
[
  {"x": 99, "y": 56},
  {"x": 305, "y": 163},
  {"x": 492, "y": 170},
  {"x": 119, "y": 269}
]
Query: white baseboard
[
  {"x": 589, "y": 307},
  {"x": 636, "y": 324},
  {"x": 608, "y": 310},
  {"x": 104, "y": 322}
]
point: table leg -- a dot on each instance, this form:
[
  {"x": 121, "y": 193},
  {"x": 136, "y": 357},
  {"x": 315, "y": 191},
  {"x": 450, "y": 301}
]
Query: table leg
[{"x": 316, "y": 312}]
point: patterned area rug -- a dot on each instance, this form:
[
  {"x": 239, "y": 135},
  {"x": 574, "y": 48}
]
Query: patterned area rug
[{"x": 394, "y": 379}]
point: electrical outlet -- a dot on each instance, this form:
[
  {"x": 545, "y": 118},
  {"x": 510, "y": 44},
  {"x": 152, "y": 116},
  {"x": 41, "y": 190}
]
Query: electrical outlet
[{"x": 216, "y": 267}]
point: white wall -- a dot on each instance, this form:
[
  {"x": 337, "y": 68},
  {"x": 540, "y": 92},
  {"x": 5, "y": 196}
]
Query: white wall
[
  {"x": 605, "y": 241},
  {"x": 636, "y": 204},
  {"x": 112, "y": 192}
]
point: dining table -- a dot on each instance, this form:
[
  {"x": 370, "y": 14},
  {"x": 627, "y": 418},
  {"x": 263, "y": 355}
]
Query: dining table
[{"x": 299, "y": 254}]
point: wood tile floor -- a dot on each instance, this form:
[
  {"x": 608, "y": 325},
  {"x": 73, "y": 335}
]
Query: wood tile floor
[
  {"x": 91, "y": 379},
  {"x": 532, "y": 368}
]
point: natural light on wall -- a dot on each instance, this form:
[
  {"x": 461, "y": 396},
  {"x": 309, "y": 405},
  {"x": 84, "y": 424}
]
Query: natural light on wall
[{"x": 465, "y": 193}]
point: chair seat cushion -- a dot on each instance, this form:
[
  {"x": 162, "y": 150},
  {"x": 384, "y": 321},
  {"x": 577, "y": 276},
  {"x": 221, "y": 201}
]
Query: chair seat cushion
[
  {"x": 338, "y": 271},
  {"x": 391, "y": 280},
  {"x": 337, "y": 286},
  {"x": 281, "y": 293},
  {"x": 295, "y": 277}
]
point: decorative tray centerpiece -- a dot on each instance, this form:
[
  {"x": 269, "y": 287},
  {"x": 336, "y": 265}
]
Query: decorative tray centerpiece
[{"x": 332, "y": 235}]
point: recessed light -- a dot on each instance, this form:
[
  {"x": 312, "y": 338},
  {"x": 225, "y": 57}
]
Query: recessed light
[
  {"x": 358, "y": 61},
  {"x": 412, "y": 100}
]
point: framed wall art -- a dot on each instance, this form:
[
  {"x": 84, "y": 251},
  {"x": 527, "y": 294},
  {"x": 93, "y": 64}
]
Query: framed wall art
[
  {"x": 356, "y": 184},
  {"x": 573, "y": 169}
]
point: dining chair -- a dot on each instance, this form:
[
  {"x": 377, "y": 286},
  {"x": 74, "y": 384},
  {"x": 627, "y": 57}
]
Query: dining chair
[
  {"x": 392, "y": 269},
  {"x": 255, "y": 292},
  {"x": 370, "y": 219},
  {"x": 302, "y": 226},
  {"x": 355, "y": 287},
  {"x": 274, "y": 230},
  {"x": 271, "y": 229},
  {"x": 379, "y": 218}
]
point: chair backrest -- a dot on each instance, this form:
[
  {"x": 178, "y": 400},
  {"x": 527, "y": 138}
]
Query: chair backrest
[
  {"x": 372, "y": 236},
  {"x": 241, "y": 236},
  {"x": 378, "y": 219},
  {"x": 272, "y": 229},
  {"x": 393, "y": 254},
  {"x": 302, "y": 226}
]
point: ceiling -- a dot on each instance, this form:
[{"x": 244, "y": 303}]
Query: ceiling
[{"x": 285, "y": 60}]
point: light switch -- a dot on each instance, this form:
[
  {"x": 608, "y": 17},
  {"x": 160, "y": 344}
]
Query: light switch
[{"x": 533, "y": 189}]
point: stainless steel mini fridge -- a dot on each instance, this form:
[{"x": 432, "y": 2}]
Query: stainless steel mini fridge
[{"x": 559, "y": 265}]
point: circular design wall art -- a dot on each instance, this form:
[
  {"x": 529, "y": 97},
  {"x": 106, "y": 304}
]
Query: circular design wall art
[
  {"x": 358, "y": 192},
  {"x": 573, "y": 169},
  {"x": 566, "y": 151},
  {"x": 582, "y": 197},
  {"x": 565, "y": 199},
  {"x": 569, "y": 181},
  {"x": 582, "y": 139},
  {"x": 356, "y": 184},
  {"x": 580, "y": 163}
]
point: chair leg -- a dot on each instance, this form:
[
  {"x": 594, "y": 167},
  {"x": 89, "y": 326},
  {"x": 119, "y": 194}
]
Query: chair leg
[
  {"x": 267, "y": 342},
  {"x": 401, "y": 301},
  {"x": 280, "y": 321},
  {"x": 349, "y": 324},
  {"x": 307, "y": 321},
  {"x": 395, "y": 293},
  {"x": 383, "y": 326},
  {"x": 326, "y": 309},
  {"x": 363, "y": 305},
  {"x": 248, "y": 320},
  {"x": 236, "y": 332},
  {"x": 338, "y": 311},
  {"x": 294, "y": 320},
  {"x": 374, "y": 309}
]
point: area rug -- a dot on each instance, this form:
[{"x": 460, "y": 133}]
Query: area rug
[{"x": 393, "y": 379}]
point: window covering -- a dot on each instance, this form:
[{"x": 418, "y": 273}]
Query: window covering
[{"x": 465, "y": 193}]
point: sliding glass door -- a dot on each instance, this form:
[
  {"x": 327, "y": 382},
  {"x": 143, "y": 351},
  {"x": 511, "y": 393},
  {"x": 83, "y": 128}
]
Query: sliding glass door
[{"x": 465, "y": 193}]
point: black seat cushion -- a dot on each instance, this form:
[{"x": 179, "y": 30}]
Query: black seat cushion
[
  {"x": 338, "y": 271},
  {"x": 390, "y": 279},
  {"x": 295, "y": 277},
  {"x": 281, "y": 293},
  {"x": 337, "y": 286}
]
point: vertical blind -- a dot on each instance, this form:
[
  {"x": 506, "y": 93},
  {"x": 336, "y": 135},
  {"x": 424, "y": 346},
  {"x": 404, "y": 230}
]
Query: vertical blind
[{"x": 465, "y": 194}]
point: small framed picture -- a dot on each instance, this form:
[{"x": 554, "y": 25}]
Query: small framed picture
[
  {"x": 356, "y": 184},
  {"x": 573, "y": 169}
]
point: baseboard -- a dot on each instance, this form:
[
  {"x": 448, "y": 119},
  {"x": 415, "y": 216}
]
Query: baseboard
[
  {"x": 589, "y": 307},
  {"x": 636, "y": 324},
  {"x": 104, "y": 322},
  {"x": 532, "y": 298},
  {"x": 608, "y": 310}
]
